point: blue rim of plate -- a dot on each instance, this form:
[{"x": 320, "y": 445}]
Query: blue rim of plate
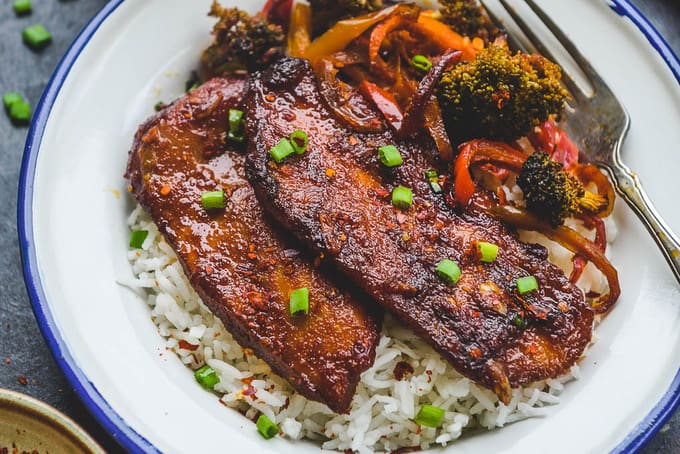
[{"x": 114, "y": 424}]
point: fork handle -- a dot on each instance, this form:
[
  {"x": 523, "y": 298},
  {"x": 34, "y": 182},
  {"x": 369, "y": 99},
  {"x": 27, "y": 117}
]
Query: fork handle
[{"x": 629, "y": 187}]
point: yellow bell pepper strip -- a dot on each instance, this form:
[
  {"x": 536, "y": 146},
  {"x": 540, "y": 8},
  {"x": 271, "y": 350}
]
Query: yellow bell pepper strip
[
  {"x": 345, "y": 31},
  {"x": 299, "y": 30}
]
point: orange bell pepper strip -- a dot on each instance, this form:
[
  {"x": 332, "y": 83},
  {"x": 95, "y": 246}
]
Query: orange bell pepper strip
[{"x": 440, "y": 34}]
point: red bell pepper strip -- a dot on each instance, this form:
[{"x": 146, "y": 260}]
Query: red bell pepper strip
[
  {"x": 278, "y": 12},
  {"x": 384, "y": 102}
]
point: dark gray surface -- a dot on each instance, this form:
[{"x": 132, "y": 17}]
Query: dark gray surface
[{"x": 22, "y": 70}]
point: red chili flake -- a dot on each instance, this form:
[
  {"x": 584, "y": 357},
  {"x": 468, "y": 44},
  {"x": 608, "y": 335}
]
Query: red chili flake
[
  {"x": 381, "y": 192},
  {"x": 531, "y": 348},
  {"x": 342, "y": 237},
  {"x": 247, "y": 380},
  {"x": 541, "y": 315},
  {"x": 353, "y": 140},
  {"x": 22, "y": 380},
  {"x": 330, "y": 173},
  {"x": 500, "y": 97},
  {"x": 251, "y": 247},
  {"x": 256, "y": 300},
  {"x": 250, "y": 391},
  {"x": 286, "y": 170},
  {"x": 270, "y": 97},
  {"x": 475, "y": 352},
  {"x": 252, "y": 255},
  {"x": 402, "y": 369},
  {"x": 7, "y": 361},
  {"x": 187, "y": 346},
  {"x": 165, "y": 190},
  {"x": 476, "y": 314},
  {"x": 500, "y": 193},
  {"x": 209, "y": 269}
]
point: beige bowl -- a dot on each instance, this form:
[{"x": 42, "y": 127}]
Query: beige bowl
[{"x": 28, "y": 425}]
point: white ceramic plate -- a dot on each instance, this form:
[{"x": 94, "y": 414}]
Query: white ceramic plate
[{"x": 73, "y": 234}]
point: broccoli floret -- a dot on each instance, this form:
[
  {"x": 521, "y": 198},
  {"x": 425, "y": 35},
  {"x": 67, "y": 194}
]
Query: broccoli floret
[
  {"x": 467, "y": 18},
  {"x": 500, "y": 95},
  {"x": 552, "y": 193},
  {"x": 325, "y": 13},
  {"x": 242, "y": 42}
]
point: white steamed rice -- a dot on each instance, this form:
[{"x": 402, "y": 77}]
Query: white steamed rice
[{"x": 382, "y": 412}]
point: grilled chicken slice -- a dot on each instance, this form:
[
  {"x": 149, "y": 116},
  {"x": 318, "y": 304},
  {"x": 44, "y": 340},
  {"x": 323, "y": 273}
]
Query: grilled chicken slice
[
  {"x": 336, "y": 198},
  {"x": 243, "y": 269}
]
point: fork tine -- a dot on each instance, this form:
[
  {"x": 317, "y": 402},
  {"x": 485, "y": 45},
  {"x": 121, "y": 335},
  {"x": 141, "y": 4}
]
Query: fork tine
[
  {"x": 584, "y": 64},
  {"x": 498, "y": 22},
  {"x": 573, "y": 88}
]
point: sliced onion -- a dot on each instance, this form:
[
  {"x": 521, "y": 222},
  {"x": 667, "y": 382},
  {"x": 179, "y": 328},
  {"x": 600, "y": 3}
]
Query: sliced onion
[
  {"x": 338, "y": 97},
  {"x": 414, "y": 116},
  {"x": 571, "y": 240},
  {"x": 435, "y": 126}
]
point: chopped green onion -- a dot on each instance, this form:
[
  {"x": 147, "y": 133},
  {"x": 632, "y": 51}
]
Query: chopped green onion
[
  {"x": 213, "y": 200},
  {"x": 448, "y": 271},
  {"x": 433, "y": 179},
  {"x": 429, "y": 416},
  {"x": 36, "y": 36},
  {"x": 431, "y": 174},
  {"x": 299, "y": 141},
  {"x": 526, "y": 284},
  {"x": 235, "y": 121},
  {"x": 20, "y": 112},
  {"x": 160, "y": 105},
  {"x": 137, "y": 238},
  {"x": 436, "y": 188},
  {"x": 421, "y": 62},
  {"x": 519, "y": 321},
  {"x": 194, "y": 86},
  {"x": 266, "y": 427},
  {"x": 390, "y": 156},
  {"x": 299, "y": 301},
  {"x": 488, "y": 251},
  {"x": 207, "y": 377},
  {"x": 281, "y": 150},
  {"x": 402, "y": 197},
  {"x": 10, "y": 98},
  {"x": 236, "y": 137},
  {"x": 22, "y": 7}
]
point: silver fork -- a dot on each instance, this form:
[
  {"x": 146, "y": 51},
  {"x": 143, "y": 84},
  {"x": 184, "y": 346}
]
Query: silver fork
[{"x": 598, "y": 123}]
